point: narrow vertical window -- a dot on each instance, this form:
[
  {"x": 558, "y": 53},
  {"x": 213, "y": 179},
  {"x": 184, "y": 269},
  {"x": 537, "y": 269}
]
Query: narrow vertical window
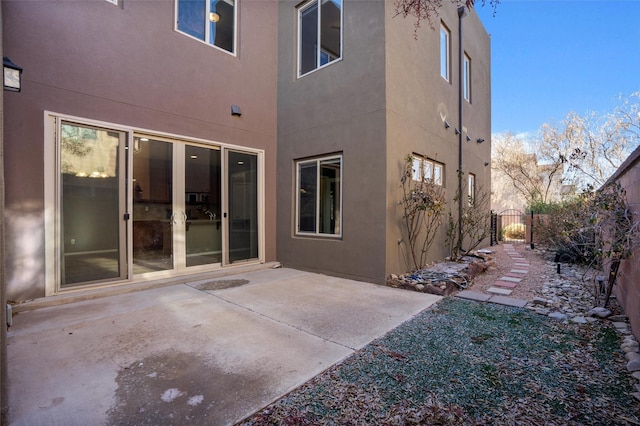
[
  {"x": 319, "y": 34},
  {"x": 467, "y": 78},
  {"x": 319, "y": 196},
  {"x": 210, "y": 21},
  {"x": 444, "y": 51},
  {"x": 471, "y": 188}
]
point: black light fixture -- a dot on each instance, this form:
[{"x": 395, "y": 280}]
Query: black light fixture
[
  {"x": 235, "y": 110},
  {"x": 468, "y": 138},
  {"x": 479, "y": 140},
  {"x": 446, "y": 124},
  {"x": 12, "y": 80},
  {"x": 486, "y": 163}
]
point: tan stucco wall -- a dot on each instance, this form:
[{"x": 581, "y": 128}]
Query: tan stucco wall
[
  {"x": 339, "y": 108},
  {"x": 419, "y": 101},
  {"x": 382, "y": 101},
  {"x": 126, "y": 65}
]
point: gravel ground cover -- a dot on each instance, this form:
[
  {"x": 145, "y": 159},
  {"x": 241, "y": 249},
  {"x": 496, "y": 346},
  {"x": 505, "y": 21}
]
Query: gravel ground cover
[{"x": 463, "y": 362}]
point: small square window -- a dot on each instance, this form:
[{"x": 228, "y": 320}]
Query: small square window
[
  {"x": 319, "y": 34},
  {"x": 210, "y": 21},
  {"x": 319, "y": 196}
]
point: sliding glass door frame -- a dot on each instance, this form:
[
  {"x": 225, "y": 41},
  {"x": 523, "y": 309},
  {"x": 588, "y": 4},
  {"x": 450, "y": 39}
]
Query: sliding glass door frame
[{"x": 53, "y": 216}]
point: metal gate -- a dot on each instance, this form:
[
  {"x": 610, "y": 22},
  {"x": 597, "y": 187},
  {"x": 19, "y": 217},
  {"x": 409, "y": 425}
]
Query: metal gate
[{"x": 509, "y": 226}]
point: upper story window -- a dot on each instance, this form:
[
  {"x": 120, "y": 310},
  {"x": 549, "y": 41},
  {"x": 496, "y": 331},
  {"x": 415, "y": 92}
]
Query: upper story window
[
  {"x": 319, "y": 34},
  {"x": 211, "y": 21},
  {"x": 445, "y": 41},
  {"x": 319, "y": 196},
  {"x": 424, "y": 169},
  {"x": 466, "y": 88}
]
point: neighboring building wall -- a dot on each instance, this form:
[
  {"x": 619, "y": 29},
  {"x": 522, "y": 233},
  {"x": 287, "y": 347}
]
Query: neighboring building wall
[
  {"x": 420, "y": 100},
  {"x": 627, "y": 288},
  {"x": 336, "y": 109},
  {"x": 383, "y": 100},
  {"x": 125, "y": 64}
]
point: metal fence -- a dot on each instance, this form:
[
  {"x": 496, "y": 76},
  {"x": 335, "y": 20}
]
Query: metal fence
[{"x": 508, "y": 226}]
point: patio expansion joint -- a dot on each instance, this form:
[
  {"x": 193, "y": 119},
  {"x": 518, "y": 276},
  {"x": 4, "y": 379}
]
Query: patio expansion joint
[{"x": 279, "y": 321}]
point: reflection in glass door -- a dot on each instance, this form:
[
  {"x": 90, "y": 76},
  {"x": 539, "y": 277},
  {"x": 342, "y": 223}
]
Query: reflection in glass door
[
  {"x": 242, "y": 194},
  {"x": 202, "y": 184},
  {"x": 91, "y": 204},
  {"x": 153, "y": 214}
]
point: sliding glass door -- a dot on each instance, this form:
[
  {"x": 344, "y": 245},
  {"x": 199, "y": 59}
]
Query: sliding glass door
[
  {"x": 242, "y": 194},
  {"x": 136, "y": 206},
  {"x": 92, "y": 204}
]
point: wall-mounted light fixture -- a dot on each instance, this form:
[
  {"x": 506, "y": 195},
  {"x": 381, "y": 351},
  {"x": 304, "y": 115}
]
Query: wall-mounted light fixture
[
  {"x": 12, "y": 80},
  {"x": 479, "y": 140},
  {"x": 468, "y": 138},
  {"x": 235, "y": 110},
  {"x": 486, "y": 163},
  {"x": 446, "y": 124},
  {"x": 457, "y": 131}
]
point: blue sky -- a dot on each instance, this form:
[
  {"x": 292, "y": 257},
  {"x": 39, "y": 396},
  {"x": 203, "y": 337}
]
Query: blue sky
[{"x": 553, "y": 57}]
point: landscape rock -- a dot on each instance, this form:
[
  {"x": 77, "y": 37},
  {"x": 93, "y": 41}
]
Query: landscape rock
[
  {"x": 579, "y": 320},
  {"x": 558, "y": 316},
  {"x": 636, "y": 395},
  {"x": 599, "y": 312},
  {"x": 618, "y": 318},
  {"x": 636, "y": 375},
  {"x": 633, "y": 356},
  {"x": 633, "y": 365}
]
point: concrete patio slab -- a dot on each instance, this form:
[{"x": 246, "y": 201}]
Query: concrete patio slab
[
  {"x": 180, "y": 355},
  {"x": 519, "y": 271},
  {"x": 511, "y": 279}
]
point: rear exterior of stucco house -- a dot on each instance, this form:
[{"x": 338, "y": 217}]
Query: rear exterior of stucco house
[
  {"x": 142, "y": 146},
  {"x": 153, "y": 142},
  {"x": 348, "y": 120}
]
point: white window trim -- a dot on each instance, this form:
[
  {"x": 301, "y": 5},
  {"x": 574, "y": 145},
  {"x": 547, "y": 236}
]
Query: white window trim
[
  {"x": 434, "y": 166},
  {"x": 236, "y": 10},
  {"x": 317, "y": 161},
  {"x": 447, "y": 53},
  {"x": 299, "y": 11}
]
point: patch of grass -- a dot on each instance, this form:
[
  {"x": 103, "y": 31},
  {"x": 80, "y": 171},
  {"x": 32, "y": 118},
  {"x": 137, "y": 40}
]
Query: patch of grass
[{"x": 463, "y": 363}]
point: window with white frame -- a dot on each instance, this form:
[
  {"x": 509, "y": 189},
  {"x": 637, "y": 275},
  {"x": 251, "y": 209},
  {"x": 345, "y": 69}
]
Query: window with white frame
[
  {"x": 466, "y": 88},
  {"x": 471, "y": 188},
  {"x": 319, "y": 34},
  {"x": 425, "y": 169},
  {"x": 445, "y": 37},
  {"x": 210, "y": 21},
  {"x": 319, "y": 196}
]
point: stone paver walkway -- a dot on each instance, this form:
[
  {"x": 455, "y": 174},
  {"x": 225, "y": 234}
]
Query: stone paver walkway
[{"x": 503, "y": 286}]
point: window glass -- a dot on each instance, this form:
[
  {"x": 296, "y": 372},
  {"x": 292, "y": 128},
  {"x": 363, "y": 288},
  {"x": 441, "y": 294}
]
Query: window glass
[
  {"x": 467, "y": 78},
  {"x": 212, "y": 21},
  {"x": 444, "y": 52},
  {"x": 319, "y": 34},
  {"x": 307, "y": 194},
  {"x": 471, "y": 188},
  {"x": 319, "y": 197},
  {"x": 437, "y": 174},
  {"x": 427, "y": 169}
]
